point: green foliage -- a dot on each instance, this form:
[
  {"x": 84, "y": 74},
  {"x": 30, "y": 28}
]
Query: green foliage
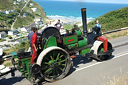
[
  {"x": 8, "y": 64},
  {"x": 2, "y": 39},
  {"x": 40, "y": 12},
  {"x": 5, "y": 30},
  {"x": 8, "y": 19},
  {"x": 23, "y": 21},
  {"x": 6, "y": 4},
  {"x": 22, "y": 45},
  {"x": 10, "y": 37},
  {"x": 112, "y": 20},
  {"x": 68, "y": 26}
]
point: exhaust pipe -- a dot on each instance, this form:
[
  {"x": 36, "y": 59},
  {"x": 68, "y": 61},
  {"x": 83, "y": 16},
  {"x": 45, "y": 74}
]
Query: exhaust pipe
[{"x": 84, "y": 20}]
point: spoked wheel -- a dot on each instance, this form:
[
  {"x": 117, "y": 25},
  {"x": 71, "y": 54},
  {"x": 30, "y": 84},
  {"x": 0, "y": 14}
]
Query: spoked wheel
[
  {"x": 101, "y": 49},
  {"x": 55, "y": 63}
]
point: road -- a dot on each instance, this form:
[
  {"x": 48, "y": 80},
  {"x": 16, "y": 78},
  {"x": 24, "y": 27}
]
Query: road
[{"x": 88, "y": 72}]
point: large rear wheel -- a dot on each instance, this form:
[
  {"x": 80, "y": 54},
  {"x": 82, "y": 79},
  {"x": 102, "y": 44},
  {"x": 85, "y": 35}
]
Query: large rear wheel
[{"x": 55, "y": 63}]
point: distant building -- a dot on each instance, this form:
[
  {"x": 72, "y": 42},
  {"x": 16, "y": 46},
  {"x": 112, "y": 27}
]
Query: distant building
[
  {"x": 38, "y": 19},
  {"x": 34, "y": 9},
  {"x": 30, "y": 26},
  {"x": 31, "y": 4},
  {"x": 19, "y": 0},
  {"x": 23, "y": 29},
  {"x": 15, "y": 2},
  {"x": 13, "y": 10},
  {"x": 13, "y": 32},
  {"x": 6, "y": 12},
  {"x": 24, "y": 15},
  {"x": 25, "y": 0},
  {"x": 29, "y": 11},
  {"x": 3, "y": 34}
]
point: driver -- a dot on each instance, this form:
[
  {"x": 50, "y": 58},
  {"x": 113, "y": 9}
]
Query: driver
[{"x": 97, "y": 30}]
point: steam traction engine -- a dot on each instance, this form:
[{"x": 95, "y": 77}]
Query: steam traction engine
[{"x": 53, "y": 61}]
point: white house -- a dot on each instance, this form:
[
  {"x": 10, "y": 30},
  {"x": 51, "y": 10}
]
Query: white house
[
  {"x": 3, "y": 34},
  {"x": 23, "y": 29},
  {"x": 7, "y": 12},
  {"x": 14, "y": 2},
  {"x": 13, "y": 32},
  {"x": 29, "y": 11},
  {"x": 34, "y": 9},
  {"x": 24, "y": 15},
  {"x": 1, "y": 51},
  {"x": 37, "y": 19},
  {"x": 13, "y": 10},
  {"x": 25, "y": 0},
  {"x": 19, "y": 0},
  {"x": 31, "y": 4}
]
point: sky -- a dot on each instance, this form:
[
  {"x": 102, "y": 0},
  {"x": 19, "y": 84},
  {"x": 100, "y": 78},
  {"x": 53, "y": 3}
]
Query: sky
[{"x": 99, "y": 1}]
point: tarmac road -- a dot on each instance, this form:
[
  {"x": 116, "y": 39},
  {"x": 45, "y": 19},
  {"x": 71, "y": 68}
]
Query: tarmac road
[{"x": 88, "y": 72}]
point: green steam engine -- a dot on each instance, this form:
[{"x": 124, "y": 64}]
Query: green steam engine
[{"x": 53, "y": 61}]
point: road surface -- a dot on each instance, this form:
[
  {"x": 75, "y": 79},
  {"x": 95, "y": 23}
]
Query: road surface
[{"x": 88, "y": 72}]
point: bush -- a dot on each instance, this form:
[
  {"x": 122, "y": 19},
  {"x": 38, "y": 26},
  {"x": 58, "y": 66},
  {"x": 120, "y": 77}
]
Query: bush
[
  {"x": 112, "y": 20},
  {"x": 10, "y": 37},
  {"x": 2, "y": 40}
]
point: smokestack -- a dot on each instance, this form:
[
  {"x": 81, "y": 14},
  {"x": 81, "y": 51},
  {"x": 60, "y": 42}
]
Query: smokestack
[{"x": 84, "y": 20}]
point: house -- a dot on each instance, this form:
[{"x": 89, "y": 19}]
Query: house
[
  {"x": 6, "y": 12},
  {"x": 25, "y": 0},
  {"x": 3, "y": 34},
  {"x": 13, "y": 10},
  {"x": 34, "y": 9},
  {"x": 15, "y": 2},
  {"x": 31, "y": 4},
  {"x": 38, "y": 22},
  {"x": 37, "y": 19},
  {"x": 13, "y": 32},
  {"x": 30, "y": 26},
  {"x": 23, "y": 29},
  {"x": 19, "y": 0},
  {"x": 24, "y": 15},
  {"x": 29, "y": 11}
]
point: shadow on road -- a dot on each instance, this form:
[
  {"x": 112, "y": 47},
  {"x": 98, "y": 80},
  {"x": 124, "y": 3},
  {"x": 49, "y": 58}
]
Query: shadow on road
[
  {"x": 10, "y": 81},
  {"x": 82, "y": 60},
  {"x": 78, "y": 60},
  {"x": 111, "y": 57}
]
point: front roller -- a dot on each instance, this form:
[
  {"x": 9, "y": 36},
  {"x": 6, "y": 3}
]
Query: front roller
[
  {"x": 55, "y": 63},
  {"x": 98, "y": 51}
]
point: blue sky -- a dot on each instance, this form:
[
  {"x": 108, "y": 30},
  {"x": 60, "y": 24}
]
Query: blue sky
[{"x": 99, "y": 1}]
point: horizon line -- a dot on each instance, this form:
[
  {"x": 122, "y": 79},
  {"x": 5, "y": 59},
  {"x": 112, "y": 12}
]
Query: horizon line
[{"x": 89, "y": 2}]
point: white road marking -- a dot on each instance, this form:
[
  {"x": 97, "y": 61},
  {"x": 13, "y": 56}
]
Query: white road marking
[{"x": 117, "y": 56}]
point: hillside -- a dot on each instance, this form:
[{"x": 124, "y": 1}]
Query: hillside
[
  {"x": 6, "y": 4},
  {"x": 22, "y": 21},
  {"x": 112, "y": 20},
  {"x": 7, "y": 19}
]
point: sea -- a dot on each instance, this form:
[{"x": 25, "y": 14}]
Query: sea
[{"x": 72, "y": 10}]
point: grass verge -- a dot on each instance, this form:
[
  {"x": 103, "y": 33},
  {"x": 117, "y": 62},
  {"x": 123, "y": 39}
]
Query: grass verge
[{"x": 122, "y": 80}]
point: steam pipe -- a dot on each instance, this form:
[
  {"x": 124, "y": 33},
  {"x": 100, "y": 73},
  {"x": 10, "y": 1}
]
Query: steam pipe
[{"x": 84, "y": 20}]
